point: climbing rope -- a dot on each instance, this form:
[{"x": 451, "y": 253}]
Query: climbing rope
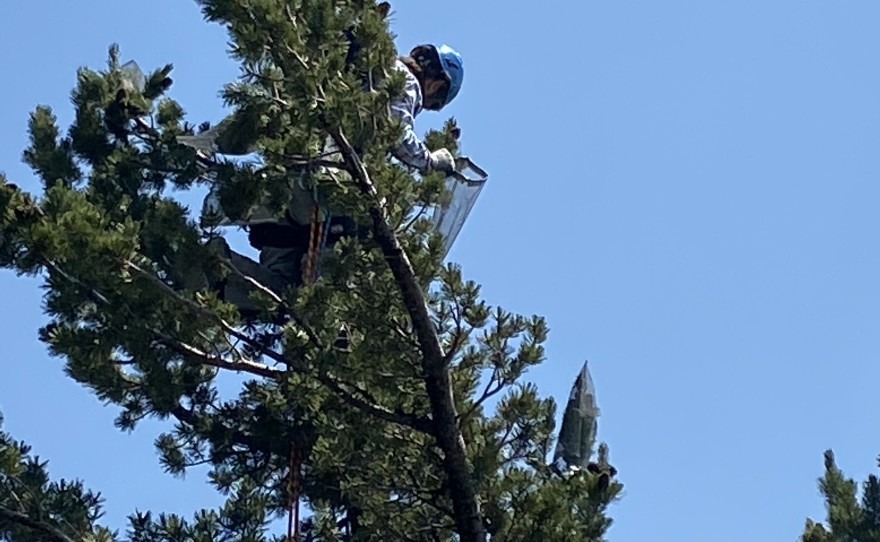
[
  {"x": 294, "y": 487},
  {"x": 317, "y": 238}
]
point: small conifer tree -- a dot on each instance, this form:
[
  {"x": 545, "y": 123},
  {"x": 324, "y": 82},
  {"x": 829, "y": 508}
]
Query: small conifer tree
[{"x": 850, "y": 516}]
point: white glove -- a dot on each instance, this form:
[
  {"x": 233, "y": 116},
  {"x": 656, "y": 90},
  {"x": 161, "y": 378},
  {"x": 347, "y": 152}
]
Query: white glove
[{"x": 442, "y": 160}]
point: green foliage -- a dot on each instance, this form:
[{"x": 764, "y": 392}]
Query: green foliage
[
  {"x": 33, "y": 508},
  {"x": 64, "y": 508},
  {"x": 128, "y": 288},
  {"x": 850, "y": 516}
]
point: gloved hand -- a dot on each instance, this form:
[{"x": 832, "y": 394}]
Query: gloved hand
[{"x": 442, "y": 160}]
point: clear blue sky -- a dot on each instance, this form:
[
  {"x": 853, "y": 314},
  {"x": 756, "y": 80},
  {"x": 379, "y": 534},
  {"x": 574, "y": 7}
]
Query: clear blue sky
[{"x": 686, "y": 190}]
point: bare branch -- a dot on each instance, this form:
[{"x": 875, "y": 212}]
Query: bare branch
[
  {"x": 53, "y": 534},
  {"x": 292, "y": 18},
  {"x": 493, "y": 387},
  {"x": 414, "y": 219},
  {"x": 459, "y": 337},
  {"x": 300, "y": 161},
  {"x": 402, "y": 332},
  {"x": 244, "y": 365}
]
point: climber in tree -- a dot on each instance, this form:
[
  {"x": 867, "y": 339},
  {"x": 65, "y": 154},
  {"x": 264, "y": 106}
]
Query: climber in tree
[{"x": 434, "y": 78}]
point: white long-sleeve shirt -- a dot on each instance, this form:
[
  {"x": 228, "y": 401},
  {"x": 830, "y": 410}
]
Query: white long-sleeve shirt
[{"x": 411, "y": 150}]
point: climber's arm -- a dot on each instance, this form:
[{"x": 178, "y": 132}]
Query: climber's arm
[{"x": 410, "y": 150}]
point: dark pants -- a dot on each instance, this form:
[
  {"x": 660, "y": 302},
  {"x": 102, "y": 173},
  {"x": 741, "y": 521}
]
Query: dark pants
[
  {"x": 278, "y": 269},
  {"x": 283, "y": 249}
]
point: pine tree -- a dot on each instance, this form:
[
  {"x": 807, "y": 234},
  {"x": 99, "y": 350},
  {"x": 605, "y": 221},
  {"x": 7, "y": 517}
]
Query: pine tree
[
  {"x": 387, "y": 439},
  {"x": 850, "y": 517}
]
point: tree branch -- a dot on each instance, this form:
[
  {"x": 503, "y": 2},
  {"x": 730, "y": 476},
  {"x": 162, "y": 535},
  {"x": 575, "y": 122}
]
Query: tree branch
[
  {"x": 468, "y": 518},
  {"x": 277, "y": 299},
  {"x": 361, "y": 399},
  {"x": 204, "y": 311},
  {"x": 351, "y": 394},
  {"x": 53, "y": 534},
  {"x": 398, "y": 261},
  {"x": 355, "y": 398},
  {"x": 245, "y": 365},
  {"x": 493, "y": 387}
]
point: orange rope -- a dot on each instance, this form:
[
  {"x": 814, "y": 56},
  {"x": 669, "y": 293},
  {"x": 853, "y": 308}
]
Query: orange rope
[
  {"x": 294, "y": 481},
  {"x": 293, "y": 490},
  {"x": 316, "y": 233}
]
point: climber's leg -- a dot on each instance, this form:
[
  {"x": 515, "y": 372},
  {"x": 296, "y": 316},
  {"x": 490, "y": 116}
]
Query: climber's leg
[
  {"x": 237, "y": 289},
  {"x": 286, "y": 263}
]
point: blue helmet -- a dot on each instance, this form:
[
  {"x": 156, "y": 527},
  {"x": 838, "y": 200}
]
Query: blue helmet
[{"x": 453, "y": 66}]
